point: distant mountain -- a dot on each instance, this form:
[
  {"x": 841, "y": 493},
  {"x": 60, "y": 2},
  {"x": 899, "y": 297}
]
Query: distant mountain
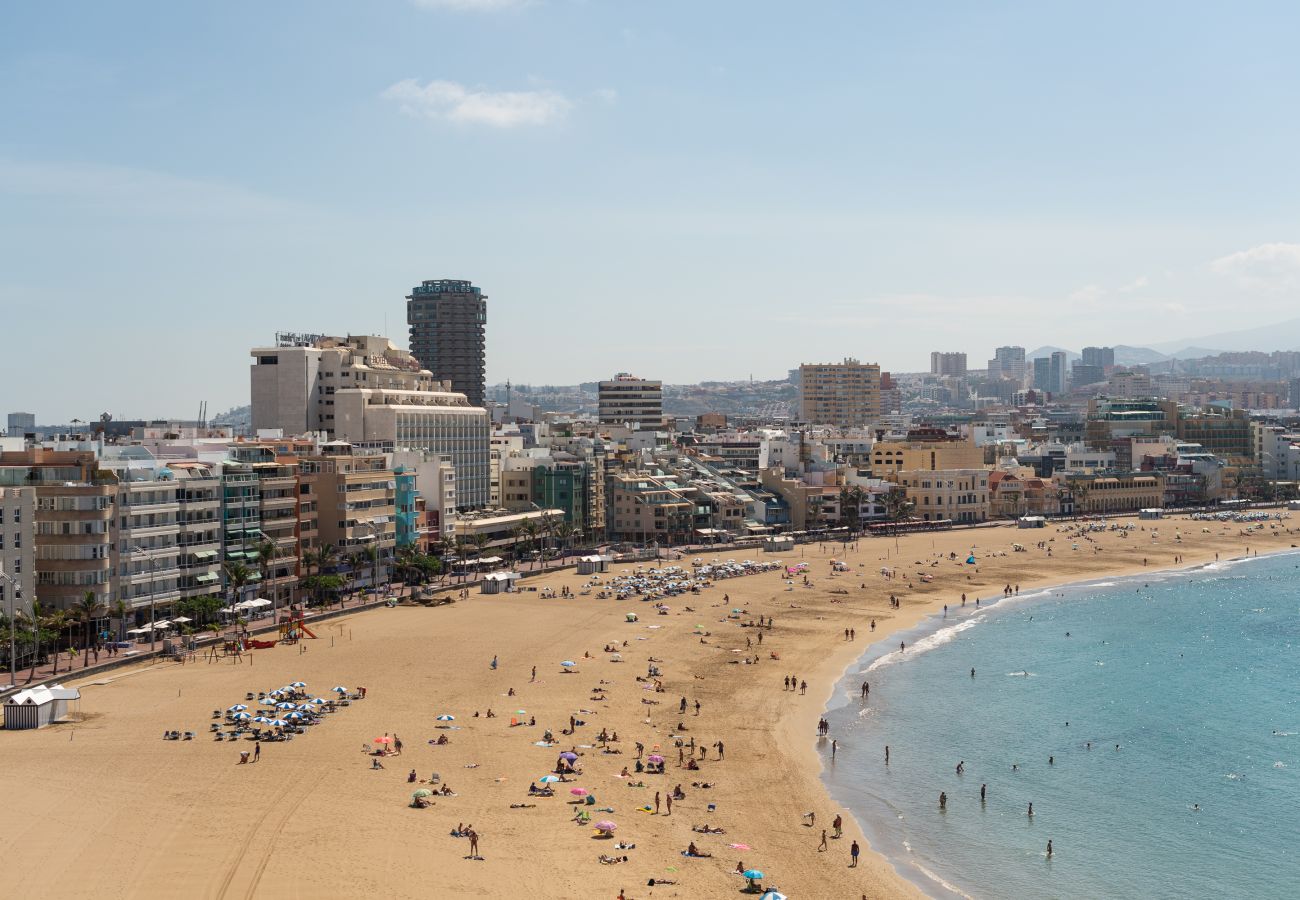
[
  {"x": 1046, "y": 353},
  {"x": 1137, "y": 356},
  {"x": 1265, "y": 338}
]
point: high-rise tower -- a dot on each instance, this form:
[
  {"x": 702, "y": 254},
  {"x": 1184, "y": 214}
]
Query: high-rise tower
[{"x": 448, "y": 320}]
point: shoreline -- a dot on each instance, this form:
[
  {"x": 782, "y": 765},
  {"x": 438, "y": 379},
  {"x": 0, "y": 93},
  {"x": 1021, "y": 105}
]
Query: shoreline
[
  {"x": 180, "y": 802},
  {"x": 930, "y": 622}
]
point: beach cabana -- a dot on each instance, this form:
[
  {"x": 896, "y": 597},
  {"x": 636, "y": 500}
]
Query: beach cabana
[
  {"x": 592, "y": 565},
  {"x": 498, "y": 582},
  {"x": 1031, "y": 522},
  {"x": 1151, "y": 513},
  {"x": 778, "y": 543},
  {"x": 38, "y": 706}
]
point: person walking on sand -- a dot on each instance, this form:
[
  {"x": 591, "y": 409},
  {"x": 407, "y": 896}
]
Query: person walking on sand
[
  {"x": 534, "y": 678},
  {"x": 668, "y": 799},
  {"x": 473, "y": 844},
  {"x": 854, "y": 850},
  {"x": 257, "y": 752},
  {"x": 822, "y": 845},
  {"x": 803, "y": 687},
  {"x": 656, "y": 803},
  {"x": 838, "y": 825},
  {"x": 786, "y": 683},
  {"x": 494, "y": 662}
]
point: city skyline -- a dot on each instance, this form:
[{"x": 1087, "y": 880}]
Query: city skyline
[{"x": 973, "y": 172}]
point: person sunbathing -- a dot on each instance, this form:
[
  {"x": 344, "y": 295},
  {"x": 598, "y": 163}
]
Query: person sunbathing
[
  {"x": 611, "y": 860},
  {"x": 693, "y": 851},
  {"x": 523, "y": 805}
]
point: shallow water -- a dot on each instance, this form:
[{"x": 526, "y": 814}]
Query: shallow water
[{"x": 1193, "y": 675}]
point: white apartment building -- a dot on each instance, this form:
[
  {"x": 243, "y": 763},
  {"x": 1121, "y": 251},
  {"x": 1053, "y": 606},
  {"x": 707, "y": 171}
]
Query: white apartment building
[
  {"x": 366, "y": 391},
  {"x": 146, "y": 552}
]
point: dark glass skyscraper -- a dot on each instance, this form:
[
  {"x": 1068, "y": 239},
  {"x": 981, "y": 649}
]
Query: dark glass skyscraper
[{"x": 448, "y": 320}]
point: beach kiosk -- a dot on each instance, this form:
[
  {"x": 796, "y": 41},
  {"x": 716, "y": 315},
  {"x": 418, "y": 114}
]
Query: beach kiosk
[
  {"x": 778, "y": 543},
  {"x": 38, "y": 706},
  {"x": 592, "y": 565},
  {"x": 498, "y": 582},
  {"x": 1031, "y": 522},
  {"x": 1155, "y": 513}
]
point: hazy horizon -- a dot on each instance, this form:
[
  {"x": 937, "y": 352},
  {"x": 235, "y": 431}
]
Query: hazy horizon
[{"x": 743, "y": 186}]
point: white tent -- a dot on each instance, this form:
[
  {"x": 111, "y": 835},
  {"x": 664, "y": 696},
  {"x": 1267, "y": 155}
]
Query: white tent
[
  {"x": 590, "y": 565},
  {"x": 38, "y": 706},
  {"x": 498, "y": 582}
]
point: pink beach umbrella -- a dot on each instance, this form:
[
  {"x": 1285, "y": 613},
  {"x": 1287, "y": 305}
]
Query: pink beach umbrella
[
  {"x": 579, "y": 792},
  {"x": 740, "y": 847},
  {"x": 655, "y": 758},
  {"x": 605, "y": 826}
]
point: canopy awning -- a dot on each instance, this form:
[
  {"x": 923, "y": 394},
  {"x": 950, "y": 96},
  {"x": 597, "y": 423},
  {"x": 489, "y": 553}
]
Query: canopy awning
[
  {"x": 206, "y": 578},
  {"x": 205, "y": 554}
]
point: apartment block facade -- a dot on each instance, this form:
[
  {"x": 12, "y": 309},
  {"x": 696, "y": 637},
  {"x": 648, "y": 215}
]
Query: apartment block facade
[
  {"x": 844, "y": 394},
  {"x": 448, "y": 322}
]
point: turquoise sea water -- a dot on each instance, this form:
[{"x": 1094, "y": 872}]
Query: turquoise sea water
[{"x": 1195, "y": 675}]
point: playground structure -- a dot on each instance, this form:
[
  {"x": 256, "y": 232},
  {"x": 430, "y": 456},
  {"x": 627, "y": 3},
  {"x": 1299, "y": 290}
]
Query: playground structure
[{"x": 293, "y": 628}]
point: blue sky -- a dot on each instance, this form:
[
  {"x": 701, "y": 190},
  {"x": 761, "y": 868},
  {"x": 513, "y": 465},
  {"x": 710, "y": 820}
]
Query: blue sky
[{"x": 689, "y": 191}]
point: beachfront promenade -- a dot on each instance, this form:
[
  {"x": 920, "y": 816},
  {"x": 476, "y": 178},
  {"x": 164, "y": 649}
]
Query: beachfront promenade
[{"x": 198, "y": 823}]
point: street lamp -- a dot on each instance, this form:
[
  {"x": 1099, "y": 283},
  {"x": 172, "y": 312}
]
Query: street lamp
[
  {"x": 153, "y": 630},
  {"x": 16, "y": 589}
]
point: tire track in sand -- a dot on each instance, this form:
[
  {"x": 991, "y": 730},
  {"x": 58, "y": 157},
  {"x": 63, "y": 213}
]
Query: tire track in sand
[{"x": 240, "y": 856}]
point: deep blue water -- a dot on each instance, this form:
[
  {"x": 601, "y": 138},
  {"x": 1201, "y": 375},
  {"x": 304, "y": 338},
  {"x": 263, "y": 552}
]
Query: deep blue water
[{"x": 1195, "y": 675}]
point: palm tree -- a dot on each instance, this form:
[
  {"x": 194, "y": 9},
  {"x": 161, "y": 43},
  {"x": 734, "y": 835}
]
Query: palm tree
[
  {"x": 120, "y": 610},
  {"x": 267, "y": 553},
  {"x": 372, "y": 554},
  {"x": 238, "y": 577},
  {"x": 88, "y": 609},
  {"x": 530, "y": 528},
  {"x": 565, "y": 532}
]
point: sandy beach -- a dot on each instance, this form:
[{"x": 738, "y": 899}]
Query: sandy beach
[{"x": 106, "y": 808}]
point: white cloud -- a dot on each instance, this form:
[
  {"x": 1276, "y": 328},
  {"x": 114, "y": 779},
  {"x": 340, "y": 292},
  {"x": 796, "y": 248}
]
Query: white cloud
[
  {"x": 1266, "y": 267},
  {"x": 471, "y": 5},
  {"x": 606, "y": 95},
  {"x": 454, "y": 102}
]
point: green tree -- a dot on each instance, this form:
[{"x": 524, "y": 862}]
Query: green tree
[
  {"x": 238, "y": 577},
  {"x": 88, "y": 610}
]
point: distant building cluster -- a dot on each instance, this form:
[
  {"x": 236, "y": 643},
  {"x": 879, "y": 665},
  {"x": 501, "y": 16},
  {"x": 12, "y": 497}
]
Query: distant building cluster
[{"x": 360, "y": 460}]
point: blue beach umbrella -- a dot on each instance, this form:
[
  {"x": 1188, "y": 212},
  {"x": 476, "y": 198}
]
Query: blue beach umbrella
[
  {"x": 279, "y": 723},
  {"x": 773, "y": 895},
  {"x": 549, "y": 779},
  {"x": 319, "y": 701},
  {"x": 241, "y": 716},
  {"x": 262, "y": 720},
  {"x": 568, "y": 664},
  {"x": 298, "y": 684},
  {"x": 238, "y": 707},
  {"x": 445, "y": 718},
  {"x": 339, "y": 689},
  {"x": 305, "y": 707},
  {"x": 753, "y": 875},
  {"x": 286, "y": 705},
  {"x": 267, "y": 701}
]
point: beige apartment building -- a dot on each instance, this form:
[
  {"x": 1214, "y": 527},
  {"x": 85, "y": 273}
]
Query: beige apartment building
[
  {"x": 958, "y": 495},
  {"x": 648, "y": 508},
  {"x": 17, "y": 544},
  {"x": 364, "y": 390},
  {"x": 356, "y": 501},
  {"x": 629, "y": 400},
  {"x": 845, "y": 394},
  {"x": 1113, "y": 492},
  {"x": 899, "y": 456},
  {"x": 73, "y": 511}
]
